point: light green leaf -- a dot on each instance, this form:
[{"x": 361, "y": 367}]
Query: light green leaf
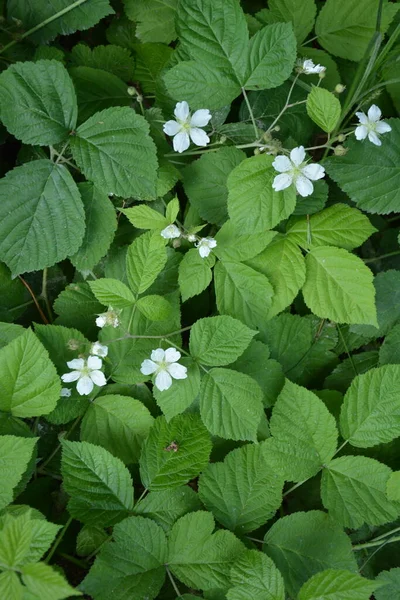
[
  {"x": 339, "y": 286},
  {"x": 353, "y": 489},
  {"x": 38, "y": 102},
  {"x": 219, "y": 341},
  {"x": 15, "y": 453},
  {"x": 112, "y": 292},
  {"x": 370, "y": 405},
  {"x": 323, "y": 108},
  {"x": 390, "y": 581},
  {"x": 253, "y": 205},
  {"x": 242, "y": 492},
  {"x": 29, "y": 384},
  {"x": 166, "y": 506},
  {"x": 306, "y": 543},
  {"x": 145, "y": 259},
  {"x": 172, "y": 210},
  {"x": 111, "y": 58},
  {"x": 254, "y": 575},
  {"x": 98, "y": 483},
  {"x": 194, "y": 273},
  {"x": 367, "y": 172},
  {"x": 167, "y": 177},
  {"x": 118, "y": 423},
  {"x": 181, "y": 394},
  {"x": 389, "y": 352},
  {"x": 15, "y": 540},
  {"x": 174, "y": 452},
  {"x": 343, "y": 374},
  {"x": 393, "y": 487},
  {"x": 155, "y": 19},
  {"x": 114, "y": 150},
  {"x": 89, "y": 539},
  {"x": 154, "y": 308},
  {"x": 46, "y": 583},
  {"x": 199, "y": 558},
  {"x": 231, "y": 404},
  {"x": 41, "y": 216},
  {"x": 43, "y": 534},
  {"x": 335, "y": 584},
  {"x": 338, "y": 225},
  {"x": 301, "y": 15},
  {"x": 232, "y": 245},
  {"x": 144, "y": 217},
  {"x": 150, "y": 61},
  {"x": 10, "y": 586}
]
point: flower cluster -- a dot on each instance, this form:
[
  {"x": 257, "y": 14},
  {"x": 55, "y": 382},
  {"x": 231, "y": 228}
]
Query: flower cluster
[{"x": 109, "y": 318}]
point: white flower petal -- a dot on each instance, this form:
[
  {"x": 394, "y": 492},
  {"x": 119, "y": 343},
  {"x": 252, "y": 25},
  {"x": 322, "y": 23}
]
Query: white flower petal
[
  {"x": 374, "y": 113},
  {"x": 101, "y": 320},
  {"x": 304, "y": 186},
  {"x": 65, "y": 393},
  {"x": 163, "y": 381},
  {"x": 98, "y": 378},
  {"x": 170, "y": 232},
  {"x": 181, "y": 142},
  {"x": 69, "y": 377},
  {"x": 172, "y": 355},
  {"x": 361, "y": 132},
  {"x": 182, "y": 111},
  {"x": 200, "y": 118},
  {"x": 313, "y": 171},
  {"x": 212, "y": 243},
  {"x": 171, "y": 127},
  {"x": 158, "y": 355},
  {"x": 84, "y": 386},
  {"x": 76, "y": 363},
  {"x": 362, "y": 117},
  {"x": 282, "y": 181},
  {"x": 374, "y": 138},
  {"x": 298, "y": 155},
  {"x": 198, "y": 136},
  {"x": 383, "y": 127},
  {"x": 94, "y": 362},
  {"x": 99, "y": 350},
  {"x": 204, "y": 251},
  {"x": 282, "y": 164},
  {"x": 177, "y": 371},
  {"x": 148, "y": 367}
]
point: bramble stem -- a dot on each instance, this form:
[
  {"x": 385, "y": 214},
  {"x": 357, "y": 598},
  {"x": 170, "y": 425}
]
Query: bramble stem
[
  {"x": 58, "y": 540},
  {"x": 246, "y": 99},
  {"x": 177, "y": 592},
  {"x": 346, "y": 348},
  {"x": 286, "y": 104},
  {"x": 376, "y": 258}
]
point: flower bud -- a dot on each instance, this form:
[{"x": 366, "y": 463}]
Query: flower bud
[
  {"x": 340, "y": 151},
  {"x": 73, "y": 344},
  {"x": 256, "y": 151},
  {"x": 131, "y": 91},
  {"x": 322, "y": 75},
  {"x": 176, "y": 243},
  {"x": 191, "y": 237},
  {"x": 277, "y": 128},
  {"x": 341, "y": 137},
  {"x": 340, "y": 88},
  {"x": 222, "y": 139}
]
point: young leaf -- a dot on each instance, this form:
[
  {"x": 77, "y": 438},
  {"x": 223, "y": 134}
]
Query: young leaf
[
  {"x": 194, "y": 273},
  {"x": 339, "y": 286},
  {"x": 174, "y": 452},
  {"x": 254, "y": 575},
  {"x": 111, "y": 58},
  {"x": 112, "y": 292},
  {"x": 336, "y": 584},
  {"x": 154, "y": 308},
  {"x": 166, "y": 506},
  {"x": 231, "y": 404},
  {"x": 179, "y": 396},
  {"x": 301, "y": 15},
  {"x": 144, "y": 217},
  {"x": 45, "y": 583},
  {"x": 38, "y": 102},
  {"x": 155, "y": 19},
  {"x": 15, "y": 453},
  {"x": 323, "y": 108},
  {"x": 145, "y": 259},
  {"x": 99, "y": 485},
  {"x": 10, "y": 585},
  {"x": 242, "y": 492}
]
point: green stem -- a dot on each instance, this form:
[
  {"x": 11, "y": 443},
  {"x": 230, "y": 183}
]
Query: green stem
[
  {"x": 346, "y": 348},
  {"x": 142, "y": 495},
  {"x": 60, "y": 154},
  {"x": 294, "y": 487},
  {"x": 376, "y": 542},
  {"x": 172, "y": 580},
  {"x": 62, "y": 12},
  {"x": 255, "y": 540},
  {"x": 21, "y": 305},
  {"x": 44, "y": 294},
  {"x": 376, "y": 258},
  {"x": 148, "y": 337},
  {"x": 286, "y": 104},
  {"x": 75, "y": 561},
  {"x": 58, "y": 540},
  {"x": 251, "y": 114},
  {"x": 58, "y": 447}
]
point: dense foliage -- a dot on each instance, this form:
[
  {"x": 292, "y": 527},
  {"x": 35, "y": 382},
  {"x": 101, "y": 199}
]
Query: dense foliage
[{"x": 200, "y": 299}]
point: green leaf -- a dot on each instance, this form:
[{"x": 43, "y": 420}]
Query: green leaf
[
  {"x": 15, "y": 453},
  {"x": 339, "y": 286},
  {"x": 144, "y": 217},
  {"x": 353, "y": 489},
  {"x": 242, "y": 292},
  {"x": 304, "y": 433},
  {"x": 166, "y": 506},
  {"x": 254, "y": 575},
  {"x": 119, "y": 424},
  {"x": 289, "y": 338},
  {"x": 43, "y": 534},
  {"x": 111, "y": 58},
  {"x": 46, "y": 583},
  {"x": 101, "y": 223},
  {"x": 172, "y": 210},
  {"x": 372, "y": 401},
  {"x": 15, "y": 540},
  {"x": 335, "y": 584},
  {"x": 150, "y": 61},
  {"x": 41, "y": 216},
  {"x": 145, "y": 259},
  {"x": 112, "y": 292},
  {"x": 339, "y": 225},
  {"x": 344, "y": 373},
  {"x": 234, "y": 246},
  {"x": 38, "y": 102},
  {"x": 323, "y": 108},
  {"x": 114, "y": 150},
  {"x": 219, "y": 341},
  {"x": 368, "y": 174},
  {"x": 389, "y": 352},
  {"x": 306, "y": 543},
  {"x": 253, "y": 205},
  {"x": 272, "y": 52},
  {"x": 98, "y": 483},
  {"x": 301, "y": 15},
  {"x": 167, "y": 177},
  {"x": 155, "y": 19},
  {"x": 199, "y": 558},
  {"x": 10, "y": 586},
  {"x": 390, "y": 581},
  {"x": 345, "y": 27},
  {"x": 89, "y": 539},
  {"x": 393, "y": 487},
  {"x": 174, "y": 452},
  {"x": 318, "y": 56},
  {"x": 205, "y": 183},
  {"x": 194, "y": 273},
  {"x": 231, "y": 404},
  {"x": 154, "y": 308},
  {"x": 78, "y": 307},
  {"x": 179, "y": 396},
  {"x": 29, "y": 384},
  {"x": 242, "y": 492}
]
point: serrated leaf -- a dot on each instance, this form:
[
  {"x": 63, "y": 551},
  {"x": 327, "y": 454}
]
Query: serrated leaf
[
  {"x": 179, "y": 396},
  {"x": 254, "y": 574},
  {"x": 242, "y": 492},
  {"x": 15, "y": 540},
  {"x": 232, "y": 245},
  {"x": 46, "y": 583},
  {"x": 111, "y": 58},
  {"x": 10, "y": 586},
  {"x": 41, "y": 216},
  {"x": 306, "y": 543},
  {"x": 15, "y": 453},
  {"x": 301, "y": 15},
  {"x": 219, "y": 341},
  {"x": 335, "y": 584},
  {"x": 144, "y": 217},
  {"x": 150, "y": 61},
  {"x": 390, "y": 581},
  {"x": 194, "y": 273},
  {"x": 98, "y": 483},
  {"x": 118, "y": 423},
  {"x": 145, "y": 259},
  {"x": 199, "y": 558},
  {"x": 289, "y": 337},
  {"x": 172, "y": 210},
  {"x": 368, "y": 174},
  {"x": 38, "y": 102},
  {"x": 89, "y": 539},
  {"x": 166, "y": 506},
  {"x": 231, "y": 404},
  {"x": 323, "y": 108},
  {"x": 174, "y": 452},
  {"x": 389, "y": 352},
  {"x": 253, "y": 205},
  {"x": 43, "y": 534},
  {"x": 372, "y": 399},
  {"x": 154, "y": 308},
  {"x": 393, "y": 487},
  {"x": 78, "y": 307},
  {"x": 112, "y": 292},
  {"x": 344, "y": 373},
  {"x": 155, "y": 19},
  {"x": 339, "y": 286},
  {"x": 99, "y": 148}
]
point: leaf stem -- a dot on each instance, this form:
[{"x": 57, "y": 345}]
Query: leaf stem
[
  {"x": 58, "y": 540},
  {"x": 57, "y": 448},
  {"x": 43, "y": 316},
  {"x": 148, "y": 337},
  {"x": 376, "y": 542},
  {"x": 346, "y": 348},
  {"x": 44, "y": 294},
  {"x": 286, "y": 106},
  {"x": 177, "y": 592},
  {"x": 246, "y": 99},
  {"x": 294, "y": 487},
  {"x": 376, "y": 258}
]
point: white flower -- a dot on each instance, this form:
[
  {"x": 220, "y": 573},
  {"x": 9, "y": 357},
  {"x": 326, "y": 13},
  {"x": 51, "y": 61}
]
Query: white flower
[
  {"x": 371, "y": 125},
  {"x": 187, "y": 127},
  {"x": 309, "y": 68},
  {"x": 86, "y": 372},
  {"x": 205, "y": 245},
  {"x": 65, "y": 393},
  {"x": 108, "y": 318},
  {"x": 171, "y": 232},
  {"x": 164, "y": 366},
  {"x": 192, "y": 237},
  {"x": 296, "y": 170},
  {"x": 99, "y": 350}
]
